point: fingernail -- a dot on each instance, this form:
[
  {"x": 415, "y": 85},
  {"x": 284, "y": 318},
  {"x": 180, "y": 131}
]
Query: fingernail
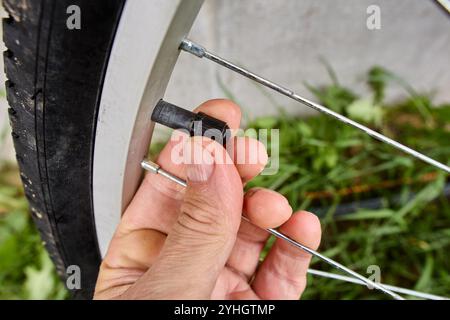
[
  {"x": 250, "y": 193},
  {"x": 199, "y": 163}
]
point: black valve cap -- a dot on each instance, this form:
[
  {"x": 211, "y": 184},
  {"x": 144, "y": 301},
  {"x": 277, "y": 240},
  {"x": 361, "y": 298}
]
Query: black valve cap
[{"x": 197, "y": 124}]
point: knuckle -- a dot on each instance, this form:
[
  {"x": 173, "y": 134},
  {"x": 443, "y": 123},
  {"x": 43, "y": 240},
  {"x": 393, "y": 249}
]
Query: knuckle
[
  {"x": 163, "y": 186},
  {"x": 294, "y": 276},
  {"x": 202, "y": 217}
]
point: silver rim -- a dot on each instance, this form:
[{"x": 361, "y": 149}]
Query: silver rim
[{"x": 137, "y": 76}]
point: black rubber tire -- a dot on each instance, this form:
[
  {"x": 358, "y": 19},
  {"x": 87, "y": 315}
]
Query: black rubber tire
[{"x": 55, "y": 82}]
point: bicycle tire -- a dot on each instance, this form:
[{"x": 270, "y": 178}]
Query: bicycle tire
[{"x": 54, "y": 85}]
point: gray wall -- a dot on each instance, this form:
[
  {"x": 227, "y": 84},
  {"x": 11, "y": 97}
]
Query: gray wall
[{"x": 283, "y": 40}]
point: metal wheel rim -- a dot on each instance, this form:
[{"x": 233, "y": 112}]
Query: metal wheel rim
[{"x": 138, "y": 72}]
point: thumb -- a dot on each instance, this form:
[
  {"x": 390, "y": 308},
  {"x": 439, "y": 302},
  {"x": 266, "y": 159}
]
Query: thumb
[{"x": 197, "y": 248}]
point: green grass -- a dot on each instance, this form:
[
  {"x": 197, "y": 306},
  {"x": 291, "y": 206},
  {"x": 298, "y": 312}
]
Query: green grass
[
  {"x": 26, "y": 271},
  {"x": 323, "y": 165}
]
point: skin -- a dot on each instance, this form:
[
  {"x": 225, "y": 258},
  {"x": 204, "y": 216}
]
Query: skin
[{"x": 176, "y": 243}]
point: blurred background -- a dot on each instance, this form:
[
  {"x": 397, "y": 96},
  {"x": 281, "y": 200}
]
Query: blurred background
[{"x": 378, "y": 206}]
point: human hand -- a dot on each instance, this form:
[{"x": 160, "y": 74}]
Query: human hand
[{"x": 177, "y": 243}]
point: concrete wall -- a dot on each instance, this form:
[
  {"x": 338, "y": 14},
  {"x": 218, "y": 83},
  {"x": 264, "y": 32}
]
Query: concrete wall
[{"x": 283, "y": 40}]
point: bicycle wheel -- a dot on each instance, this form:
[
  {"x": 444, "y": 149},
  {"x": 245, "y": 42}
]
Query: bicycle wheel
[{"x": 79, "y": 104}]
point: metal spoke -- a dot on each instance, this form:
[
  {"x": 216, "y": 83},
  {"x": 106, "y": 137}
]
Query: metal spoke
[
  {"x": 156, "y": 169},
  {"x": 201, "y": 52},
  {"x": 413, "y": 293}
]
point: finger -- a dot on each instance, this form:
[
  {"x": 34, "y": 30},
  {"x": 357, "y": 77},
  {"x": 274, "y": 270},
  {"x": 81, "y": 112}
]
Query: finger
[
  {"x": 221, "y": 109},
  {"x": 282, "y": 275},
  {"x": 139, "y": 249},
  {"x": 156, "y": 202},
  {"x": 205, "y": 231},
  {"x": 155, "y": 206},
  {"x": 231, "y": 286},
  {"x": 265, "y": 209},
  {"x": 127, "y": 260},
  {"x": 157, "y": 194},
  {"x": 250, "y": 157}
]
